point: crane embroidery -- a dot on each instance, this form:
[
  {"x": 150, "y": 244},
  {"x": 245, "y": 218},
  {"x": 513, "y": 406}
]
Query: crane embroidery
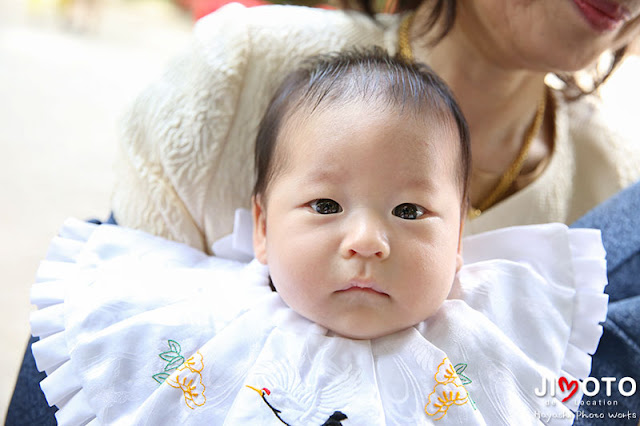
[{"x": 334, "y": 420}]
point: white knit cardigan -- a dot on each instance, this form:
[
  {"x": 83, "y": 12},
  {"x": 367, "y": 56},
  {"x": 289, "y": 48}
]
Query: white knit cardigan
[{"x": 186, "y": 154}]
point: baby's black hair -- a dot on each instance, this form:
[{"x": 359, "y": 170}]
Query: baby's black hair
[{"x": 370, "y": 76}]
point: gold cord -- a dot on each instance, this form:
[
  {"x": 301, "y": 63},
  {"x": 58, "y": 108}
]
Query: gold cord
[
  {"x": 404, "y": 47},
  {"x": 512, "y": 173}
]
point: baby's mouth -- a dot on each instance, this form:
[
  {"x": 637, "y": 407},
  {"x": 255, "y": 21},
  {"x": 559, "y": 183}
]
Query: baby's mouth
[{"x": 365, "y": 286}]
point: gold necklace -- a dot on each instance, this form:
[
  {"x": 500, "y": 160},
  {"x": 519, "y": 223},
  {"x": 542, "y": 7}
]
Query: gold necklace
[
  {"x": 512, "y": 173},
  {"x": 404, "y": 47}
]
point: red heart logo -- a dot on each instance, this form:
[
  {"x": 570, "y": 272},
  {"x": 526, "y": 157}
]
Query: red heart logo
[{"x": 562, "y": 382}]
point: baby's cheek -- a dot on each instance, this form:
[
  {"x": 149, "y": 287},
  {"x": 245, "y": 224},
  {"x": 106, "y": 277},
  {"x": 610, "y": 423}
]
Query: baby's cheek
[
  {"x": 297, "y": 287},
  {"x": 430, "y": 276},
  {"x": 290, "y": 268}
]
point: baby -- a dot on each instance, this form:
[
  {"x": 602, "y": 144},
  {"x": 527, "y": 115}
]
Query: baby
[
  {"x": 362, "y": 170},
  {"x": 362, "y": 166}
]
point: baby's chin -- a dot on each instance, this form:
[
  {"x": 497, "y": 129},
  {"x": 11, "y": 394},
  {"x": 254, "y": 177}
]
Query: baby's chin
[
  {"x": 357, "y": 333},
  {"x": 367, "y": 326}
]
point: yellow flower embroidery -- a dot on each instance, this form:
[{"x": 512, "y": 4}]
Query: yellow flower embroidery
[
  {"x": 195, "y": 363},
  {"x": 448, "y": 391},
  {"x": 443, "y": 397},
  {"x": 446, "y": 373},
  {"x": 189, "y": 380}
]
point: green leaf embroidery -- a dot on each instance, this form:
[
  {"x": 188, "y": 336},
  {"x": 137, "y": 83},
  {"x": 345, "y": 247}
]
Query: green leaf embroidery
[
  {"x": 173, "y": 359},
  {"x": 169, "y": 356},
  {"x": 175, "y": 346},
  {"x": 459, "y": 370},
  {"x": 177, "y": 362},
  {"x": 464, "y": 379},
  {"x": 160, "y": 377}
]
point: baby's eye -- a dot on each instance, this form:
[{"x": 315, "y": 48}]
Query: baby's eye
[
  {"x": 408, "y": 211},
  {"x": 325, "y": 206}
]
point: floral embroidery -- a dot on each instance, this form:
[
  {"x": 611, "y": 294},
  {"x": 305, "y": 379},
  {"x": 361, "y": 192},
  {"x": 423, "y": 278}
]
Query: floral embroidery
[
  {"x": 446, "y": 372},
  {"x": 188, "y": 378},
  {"x": 460, "y": 367},
  {"x": 334, "y": 420},
  {"x": 194, "y": 363},
  {"x": 174, "y": 359},
  {"x": 449, "y": 389},
  {"x": 443, "y": 397}
]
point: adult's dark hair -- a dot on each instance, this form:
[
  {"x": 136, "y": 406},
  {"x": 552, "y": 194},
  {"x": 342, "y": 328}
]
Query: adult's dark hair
[
  {"x": 370, "y": 76},
  {"x": 444, "y": 13}
]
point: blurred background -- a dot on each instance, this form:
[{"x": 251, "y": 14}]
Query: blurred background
[{"x": 68, "y": 70}]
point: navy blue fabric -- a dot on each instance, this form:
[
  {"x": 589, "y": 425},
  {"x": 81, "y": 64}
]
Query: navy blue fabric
[
  {"x": 28, "y": 405},
  {"x": 619, "y": 220},
  {"x": 618, "y": 353}
]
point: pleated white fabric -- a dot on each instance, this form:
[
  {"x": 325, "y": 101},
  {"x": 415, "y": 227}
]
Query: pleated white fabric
[{"x": 136, "y": 329}]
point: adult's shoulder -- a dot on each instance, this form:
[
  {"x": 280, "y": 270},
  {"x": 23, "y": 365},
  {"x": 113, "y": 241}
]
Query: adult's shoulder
[
  {"x": 189, "y": 136},
  {"x": 293, "y": 30},
  {"x": 604, "y": 146},
  {"x": 594, "y": 157},
  {"x": 605, "y": 136}
]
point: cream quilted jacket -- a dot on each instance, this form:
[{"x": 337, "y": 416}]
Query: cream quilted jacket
[{"x": 186, "y": 155}]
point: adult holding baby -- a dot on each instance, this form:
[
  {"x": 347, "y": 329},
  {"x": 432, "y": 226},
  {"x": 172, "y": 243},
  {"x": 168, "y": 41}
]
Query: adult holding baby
[{"x": 538, "y": 156}]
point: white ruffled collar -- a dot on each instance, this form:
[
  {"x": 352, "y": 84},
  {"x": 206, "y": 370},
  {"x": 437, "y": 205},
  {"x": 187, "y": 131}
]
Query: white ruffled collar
[{"x": 138, "y": 329}]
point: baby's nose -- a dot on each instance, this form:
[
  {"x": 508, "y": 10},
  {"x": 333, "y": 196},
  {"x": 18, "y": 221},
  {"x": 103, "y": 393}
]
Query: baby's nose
[{"x": 366, "y": 236}]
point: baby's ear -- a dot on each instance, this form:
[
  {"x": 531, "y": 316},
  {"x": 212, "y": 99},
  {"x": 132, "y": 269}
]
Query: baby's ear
[
  {"x": 259, "y": 229},
  {"x": 459, "y": 260}
]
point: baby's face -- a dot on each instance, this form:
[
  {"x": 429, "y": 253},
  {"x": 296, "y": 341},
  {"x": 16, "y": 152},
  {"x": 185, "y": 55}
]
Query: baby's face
[{"x": 361, "y": 226}]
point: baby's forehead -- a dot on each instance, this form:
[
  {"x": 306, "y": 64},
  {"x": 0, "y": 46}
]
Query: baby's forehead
[
  {"x": 437, "y": 128},
  {"x": 326, "y": 135}
]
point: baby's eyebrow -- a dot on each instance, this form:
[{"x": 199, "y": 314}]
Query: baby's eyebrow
[
  {"x": 414, "y": 179},
  {"x": 329, "y": 174},
  {"x": 422, "y": 182}
]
